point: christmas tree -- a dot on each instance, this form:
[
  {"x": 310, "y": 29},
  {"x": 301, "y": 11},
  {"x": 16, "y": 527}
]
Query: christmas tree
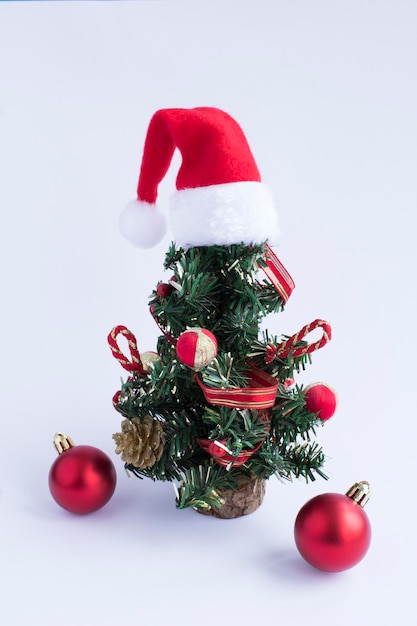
[{"x": 215, "y": 409}]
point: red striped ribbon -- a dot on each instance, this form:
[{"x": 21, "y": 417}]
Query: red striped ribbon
[
  {"x": 260, "y": 393},
  {"x": 220, "y": 453},
  {"x": 229, "y": 459},
  {"x": 277, "y": 274},
  {"x": 170, "y": 338}
]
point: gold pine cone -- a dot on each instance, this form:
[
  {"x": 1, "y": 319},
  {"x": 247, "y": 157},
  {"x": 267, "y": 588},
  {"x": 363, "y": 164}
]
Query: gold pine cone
[{"x": 141, "y": 442}]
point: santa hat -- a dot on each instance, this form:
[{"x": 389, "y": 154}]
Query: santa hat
[{"x": 220, "y": 198}]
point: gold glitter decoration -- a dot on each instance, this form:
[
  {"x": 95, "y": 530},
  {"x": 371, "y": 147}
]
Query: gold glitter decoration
[{"x": 141, "y": 442}]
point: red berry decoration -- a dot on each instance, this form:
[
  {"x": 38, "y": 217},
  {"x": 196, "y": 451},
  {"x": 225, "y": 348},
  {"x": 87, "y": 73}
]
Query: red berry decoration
[
  {"x": 332, "y": 531},
  {"x": 164, "y": 290},
  {"x": 197, "y": 347},
  {"x": 83, "y": 478},
  {"x": 289, "y": 382},
  {"x": 321, "y": 399}
]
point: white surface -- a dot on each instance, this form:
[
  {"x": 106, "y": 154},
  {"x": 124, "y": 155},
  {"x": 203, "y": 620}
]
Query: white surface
[{"x": 326, "y": 93}]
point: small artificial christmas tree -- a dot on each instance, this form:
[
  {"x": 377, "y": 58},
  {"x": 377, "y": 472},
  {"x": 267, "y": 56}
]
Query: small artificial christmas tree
[{"x": 215, "y": 409}]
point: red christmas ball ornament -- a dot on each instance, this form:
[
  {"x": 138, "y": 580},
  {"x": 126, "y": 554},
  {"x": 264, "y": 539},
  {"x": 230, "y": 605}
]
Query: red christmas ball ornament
[
  {"x": 83, "y": 478},
  {"x": 332, "y": 531},
  {"x": 197, "y": 347},
  {"x": 164, "y": 290},
  {"x": 321, "y": 399}
]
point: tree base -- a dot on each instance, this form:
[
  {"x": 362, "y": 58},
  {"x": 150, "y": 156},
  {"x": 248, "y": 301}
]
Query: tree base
[{"x": 238, "y": 503}]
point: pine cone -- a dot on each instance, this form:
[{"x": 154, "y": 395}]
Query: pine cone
[{"x": 140, "y": 443}]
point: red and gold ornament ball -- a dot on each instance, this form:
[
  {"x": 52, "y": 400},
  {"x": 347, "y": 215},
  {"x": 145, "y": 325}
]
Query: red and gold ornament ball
[
  {"x": 82, "y": 479},
  {"x": 332, "y": 531},
  {"x": 320, "y": 399},
  {"x": 197, "y": 347}
]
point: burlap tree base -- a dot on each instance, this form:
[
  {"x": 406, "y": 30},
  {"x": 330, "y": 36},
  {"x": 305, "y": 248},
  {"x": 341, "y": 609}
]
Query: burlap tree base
[{"x": 241, "y": 502}]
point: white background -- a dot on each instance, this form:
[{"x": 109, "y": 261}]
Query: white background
[{"x": 326, "y": 93}]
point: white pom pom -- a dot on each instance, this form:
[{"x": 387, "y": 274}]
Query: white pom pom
[{"x": 142, "y": 224}]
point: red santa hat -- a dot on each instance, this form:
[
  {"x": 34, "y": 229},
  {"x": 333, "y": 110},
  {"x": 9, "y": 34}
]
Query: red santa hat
[{"x": 220, "y": 199}]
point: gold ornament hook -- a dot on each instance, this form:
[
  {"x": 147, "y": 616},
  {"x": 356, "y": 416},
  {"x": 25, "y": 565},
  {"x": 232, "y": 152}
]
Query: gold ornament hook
[
  {"x": 63, "y": 442},
  {"x": 360, "y": 492}
]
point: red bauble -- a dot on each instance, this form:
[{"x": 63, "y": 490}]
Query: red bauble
[
  {"x": 83, "y": 478},
  {"x": 321, "y": 399},
  {"x": 332, "y": 531},
  {"x": 197, "y": 347},
  {"x": 164, "y": 290}
]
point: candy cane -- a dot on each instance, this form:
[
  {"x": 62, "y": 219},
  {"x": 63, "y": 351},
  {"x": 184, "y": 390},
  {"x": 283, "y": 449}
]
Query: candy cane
[
  {"x": 116, "y": 398},
  {"x": 286, "y": 348},
  {"x": 135, "y": 365}
]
